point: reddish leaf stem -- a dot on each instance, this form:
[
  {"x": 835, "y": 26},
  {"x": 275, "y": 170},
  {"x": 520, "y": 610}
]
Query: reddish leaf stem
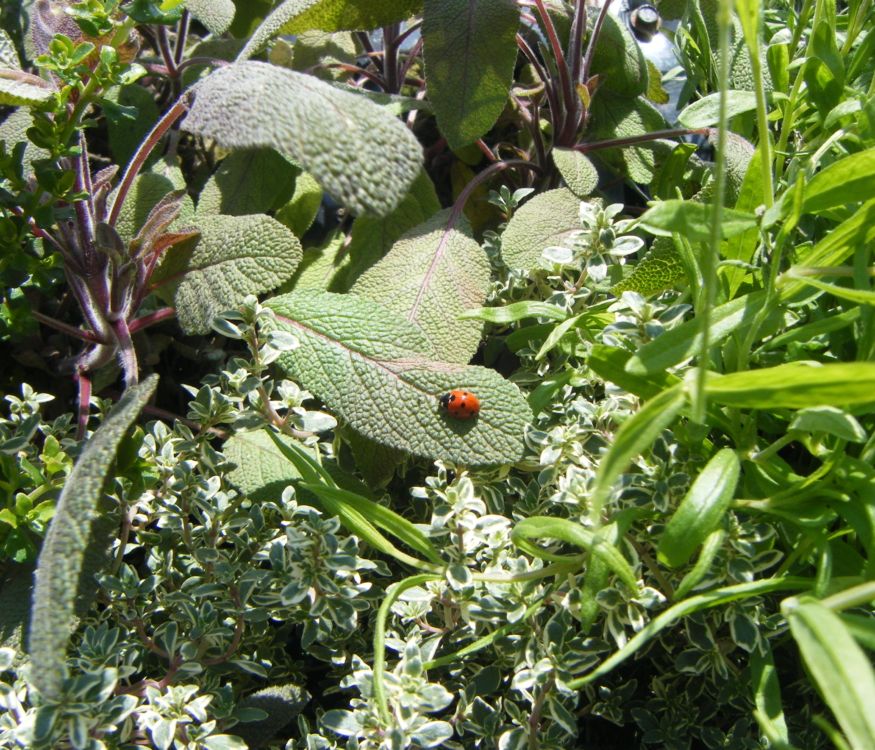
[
  {"x": 633, "y": 139},
  {"x": 88, "y": 336},
  {"x": 590, "y": 50},
  {"x": 152, "y": 318}
]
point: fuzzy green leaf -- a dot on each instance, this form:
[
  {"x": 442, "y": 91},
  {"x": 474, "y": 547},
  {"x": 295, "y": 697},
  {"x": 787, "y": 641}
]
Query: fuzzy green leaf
[
  {"x": 470, "y": 50},
  {"x": 248, "y": 182},
  {"x": 216, "y": 15},
  {"x": 374, "y": 369},
  {"x": 313, "y": 48},
  {"x": 126, "y": 133},
  {"x": 840, "y": 668},
  {"x": 297, "y": 16},
  {"x": 363, "y": 156},
  {"x": 301, "y": 210},
  {"x": 262, "y": 472},
  {"x": 67, "y": 539},
  {"x": 148, "y": 190},
  {"x": 693, "y": 220},
  {"x": 23, "y": 89},
  {"x": 618, "y": 58},
  {"x": 281, "y": 703},
  {"x": 578, "y": 172},
  {"x": 659, "y": 269},
  {"x": 431, "y": 276},
  {"x": 376, "y": 462},
  {"x": 235, "y": 256},
  {"x": 702, "y": 509},
  {"x": 706, "y": 111},
  {"x": 547, "y": 219},
  {"x": 14, "y": 130}
]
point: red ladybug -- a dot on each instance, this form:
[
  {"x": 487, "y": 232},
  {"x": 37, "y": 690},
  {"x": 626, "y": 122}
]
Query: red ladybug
[{"x": 461, "y": 404}]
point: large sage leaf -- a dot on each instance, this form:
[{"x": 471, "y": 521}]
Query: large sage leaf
[
  {"x": 431, "y": 276},
  {"x": 578, "y": 172},
  {"x": 547, "y": 219},
  {"x": 840, "y": 668},
  {"x": 235, "y": 256},
  {"x": 374, "y": 369},
  {"x": 64, "y": 548},
  {"x": 618, "y": 58},
  {"x": 296, "y": 16},
  {"x": 470, "y": 49},
  {"x": 363, "y": 156},
  {"x": 616, "y": 116},
  {"x": 216, "y": 15},
  {"x": 23, "y": 89}
]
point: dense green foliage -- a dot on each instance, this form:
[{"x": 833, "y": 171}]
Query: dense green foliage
[{"x": 658, "y": 530}]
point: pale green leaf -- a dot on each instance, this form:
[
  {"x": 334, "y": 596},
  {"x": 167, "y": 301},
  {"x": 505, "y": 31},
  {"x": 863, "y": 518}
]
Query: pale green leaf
[
  {"x": 706, "y": 111},
  {"x": 860, "y": 296},
  {"x": 796, "y": 386},
  {"x": 830, "y": 420},
  {"x": 65, "y": 544},
  {"x": 248, "y": 182},
  {"x": 262, "y": 472},
  {"x": 470, "y": 50},
  {"x": 578, "y": 172},
  {"x": 321, "y": 48},
  {"x": 431, "y": 276},
  {"x": 235, "y": 256},
  {"x": 547, "y": 219},
  {"x": 393, "y": 103},
  {"x": 848, "y": 180},
  {"x": 702, "y": 509},
  {"x": 301, "y": 210},
  {"x": 355, "y": 354},
  {"x": 839, "y": 667},
  {"x": 516, "y": 311},
  {"x": 23, "y": 89},
  {"x": 216, "y": 15},
  {"x": 296, "y": 16},
  {"x": 360, "y": 154},
  {"x": 321, "y": 265},
  {"x": 767, "y": 690},
  {"x": 693, "y": 220}
]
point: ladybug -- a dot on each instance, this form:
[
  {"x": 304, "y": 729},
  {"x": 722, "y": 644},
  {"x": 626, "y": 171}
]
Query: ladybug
[{"x": 461, "y": 404}]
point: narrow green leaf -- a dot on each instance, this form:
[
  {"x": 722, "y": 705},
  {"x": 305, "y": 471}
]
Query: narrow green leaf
[
  {"x": 397, "y": 385},
  {"x": 470, "y": 50},
  {"x": 693, "y": 220},
  {"x": 542, "y": 527},
  {"x": 702, "y": 509},
  {"x": 543, "y": 394},
  {"x": 796, "y": 386},
  {"x": 386, "y": 519},
  {"x": 308, "y": 467},
  {"x": 830, "y": 420},
  {"x": 516, "y": 311},
  {"x": 767, "y": 690},
  {"x": 709, "y": 551},
  {"x": 743, "y": 246},
  {"x": 430, "y": 275},
  {"x": 235, "y": 256},
  {"x": 578, "y": 172},
  {"x": 810, "y": 330},
  {"x": 547, "y": 219},
  {"x": 848, "y": 180},
  {"x": 67, "y": 539},
  {"x": 705, "y": 112},
  {"x": 363, "y": 156},
  {"x": 839, "y": 667},
  {"x": 296, "y": 16},
  {"x": 635, "y": 435}
]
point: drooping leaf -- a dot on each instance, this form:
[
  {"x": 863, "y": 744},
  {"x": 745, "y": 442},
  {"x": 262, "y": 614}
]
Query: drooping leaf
[
  {"x": 702, "y": 509},
  {"x": 578, "y": 172},
  {"x": 148, "y": 189},
  {"x": 248, "y": 182},
  {"x": 659, "y": 269},
  {"x": 216, "y": 15},
  {"x": 22, "y": 89},
  {"x": 362, "y": 156},
  {"x": 706, "y": 111},
  {"x": 366, "y": 356},
  {"x": 766, "y": 690},
  {"x": 235, "y": 256},
  {"x": 693, "y": 220},
  {"x": 67, "y": 539},
  {"x": 431, "y": 276},
  {"x": 516, "y": 311},
  {"x": 547, "y": 219},
  {"x": 840, "y": 668},
  {"x": 297, "y": 16},
  {"x": 470, "y": 49}
]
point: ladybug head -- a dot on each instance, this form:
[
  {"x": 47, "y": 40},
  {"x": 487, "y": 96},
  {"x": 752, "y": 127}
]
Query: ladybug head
[{"x": 445, "y": 399}]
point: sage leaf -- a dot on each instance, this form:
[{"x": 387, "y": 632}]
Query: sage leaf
[
  {"x": 547, "y": 219},
  {"x": 578, "y": 172},
  {"x": 470, "y": 49},
  {"x": 23, "y": 89},
  {"x": 702, "y": 509},
  {"x": 297, "y": 16},
  {"x": 659, "y": 269},
  {"x": 705, "y": 112},
  {"x": 363, "y": 156},
  {"x": 216, "y": 15},
  {"x": 302, "y": 208},
  {"x": 64, "y": 547},
  {"x": 618, "y": 58},
  {"x": 620, "y": 116},
  {"x": 234, "y": 256},
  {"x": 374, "y": 369},
  {"x": 693, "y": 220},
  {"x": 839, "y": 667},
  {"x": 432, "y": 275}
]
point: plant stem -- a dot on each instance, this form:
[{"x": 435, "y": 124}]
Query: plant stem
[
  {"x": 569, "y": 95},
  {"x": 126, "y": 351},
  {"x": 88, "y": 336},
  {"x": 152, "y": 318}
]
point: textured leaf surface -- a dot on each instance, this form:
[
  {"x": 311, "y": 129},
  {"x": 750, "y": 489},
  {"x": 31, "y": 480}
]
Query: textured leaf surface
[
  {"x": 296, "y": 16},
  {"x": 216, "y": 15},
  {"x": 248, "y": 182},
  {"x": 545, "y": 220},
  {"x": 362, "y": 156},
  {"x": 376, "y": 462},
  {"x": 374, "y": 370},
  {"x": 235, "y": 256},
  {"x": 16, "y": 590},
  {"x": 578, "y": 172},
  {"x": 146, "y": 192},
  {"x": 618, "y": 57},
  {"x": 13, "y": 130},
  {"x": 66, "y": 541},
  {"x": 430, "y": 277},
  {"x": 659, "y": 269},
  {"x": 322, "y": 48},
  {"x": 300, "y": 212},
  {"x": 470, "y": 49},
  {"x": 23, "y": 89},
  {"x": 621, "y": 117},
  {"x": 281, "y": 703},
  {"x": 127, "y": 133}
]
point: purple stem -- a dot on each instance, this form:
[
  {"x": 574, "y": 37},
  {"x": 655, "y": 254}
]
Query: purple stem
[
  {"x": 410, "y": 58},
  {"x": 633, "y": 139},
  {"x": 390, "y": 58},
  {"x": 127, "y": 352},
  {"x": 542, "y": 74},
  {"x": 140, "y": 157},
  {"x": 166, "y": 54},
  {"x": 88, "y": 336},
  {"x": 181, "y": 33},
  {"x": 84, "y": 383},
  {"x": 152, "y": 318},
  {"x": 575, "y": 41},
  {"x": 568, "y": 94}
]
